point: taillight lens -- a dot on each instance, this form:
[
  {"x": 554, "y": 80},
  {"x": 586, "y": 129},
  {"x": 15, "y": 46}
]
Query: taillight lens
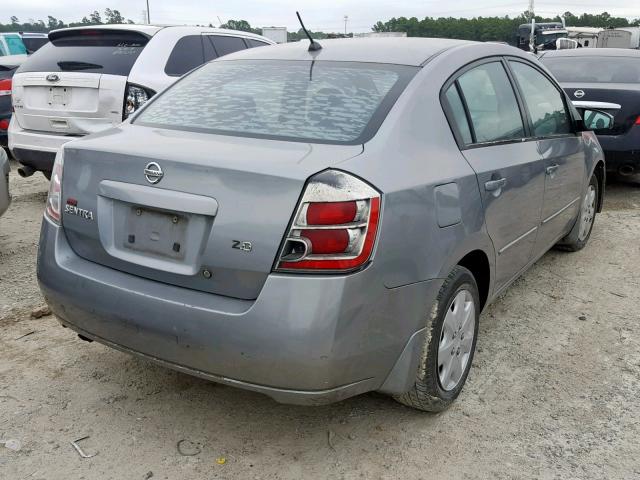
[
  {"x": 638, "y": 120},
  {"x": 53, "y": 209},
  {"x": 335, "y": 225},
  {"x": 5, "y": 87},
  {"x": 134, "y": 98}
]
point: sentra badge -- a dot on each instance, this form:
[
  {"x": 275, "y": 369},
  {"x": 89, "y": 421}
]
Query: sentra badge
[{"x": 72, "y": 209}]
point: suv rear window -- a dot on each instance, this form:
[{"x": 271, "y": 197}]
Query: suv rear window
[
  {"x": 595, "y": 69},
  {"x": 320, "y": 102},
  {"x": 91, "y": 50}
]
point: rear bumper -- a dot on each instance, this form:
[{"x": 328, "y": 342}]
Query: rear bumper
[
  {"x": 35, "y": 149},
  {"x": 304, "y": 340},
  {"x": 622, "y": 150}
]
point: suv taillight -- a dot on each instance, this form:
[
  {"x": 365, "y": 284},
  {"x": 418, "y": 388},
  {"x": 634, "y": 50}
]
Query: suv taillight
[
  {"x": 335, "y": 225},
  {"x": 5, "y": 87},
  {"x": 53, "y": 209},
  {"x": 134, "y": 98}
]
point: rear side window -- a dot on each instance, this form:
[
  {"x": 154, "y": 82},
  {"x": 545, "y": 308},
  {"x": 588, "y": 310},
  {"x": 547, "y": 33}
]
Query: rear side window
[
  {"x": 187, "y": 54},
  {"x": 255, "y": 43},
  {"x": 492, "y": 103},
  {"x": 305, "y": 101},
  {"x": 544, "y": 101},
  {"x": 226, "y": 45},
  {"x": 34, "y": 43},
  {"x": 88, "y": 50},
  {"x": 458, "y": 114}
]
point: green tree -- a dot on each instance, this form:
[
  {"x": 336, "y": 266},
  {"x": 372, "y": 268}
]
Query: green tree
[
  {"x": 241, "y": 25},
  {"x": 113, "y": 17}
]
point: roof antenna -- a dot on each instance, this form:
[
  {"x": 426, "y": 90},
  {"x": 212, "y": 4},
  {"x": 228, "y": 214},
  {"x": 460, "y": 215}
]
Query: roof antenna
[{"x": 314, "y": 46}]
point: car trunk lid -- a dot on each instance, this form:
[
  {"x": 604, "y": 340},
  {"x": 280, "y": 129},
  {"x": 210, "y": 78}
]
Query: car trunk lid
[
  {"x": 70, "y": 103},
  {"x": 612, "y": 95},
  {"x": 200, "y": 211}
]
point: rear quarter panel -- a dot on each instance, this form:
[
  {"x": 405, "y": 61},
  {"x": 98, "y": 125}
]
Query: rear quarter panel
[{"x": 412, "y": 154}]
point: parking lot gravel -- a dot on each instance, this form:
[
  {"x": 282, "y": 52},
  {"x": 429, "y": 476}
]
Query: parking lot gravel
[{"x": 553, "y": 392}]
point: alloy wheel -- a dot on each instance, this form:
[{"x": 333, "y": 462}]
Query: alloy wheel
[{"x": 456, "y": 340}]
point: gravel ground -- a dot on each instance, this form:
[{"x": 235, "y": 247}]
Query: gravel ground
[{"x": 553, "y": 392}]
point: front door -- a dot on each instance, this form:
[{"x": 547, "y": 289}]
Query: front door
[{"x": 561, "y": 149}]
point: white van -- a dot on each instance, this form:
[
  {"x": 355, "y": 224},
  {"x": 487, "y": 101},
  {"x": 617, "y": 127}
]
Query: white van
[{"x": 87, "y": 79}]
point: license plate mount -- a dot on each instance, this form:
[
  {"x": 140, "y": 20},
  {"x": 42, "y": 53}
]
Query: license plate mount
[{"x": 155, "y": 232}]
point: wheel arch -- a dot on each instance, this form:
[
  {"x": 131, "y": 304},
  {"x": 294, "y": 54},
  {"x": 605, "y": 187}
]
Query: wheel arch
[
  {"x": 477, "y": 262},
  {"x": 600, "y": 172}
]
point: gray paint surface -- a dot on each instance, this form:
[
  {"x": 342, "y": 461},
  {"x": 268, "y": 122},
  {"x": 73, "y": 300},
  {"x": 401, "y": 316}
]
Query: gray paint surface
[
  {"x": 310, "y": 338},
  {"x": 5, "y": 198}
]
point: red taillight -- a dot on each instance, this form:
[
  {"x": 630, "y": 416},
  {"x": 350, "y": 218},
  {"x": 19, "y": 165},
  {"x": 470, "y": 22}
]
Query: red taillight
[
  {"x": 331, "y": 213},
  {"x": 4, "y": 124},
  {"x": 638, "y": 120},
  {"x": 53, "y": 209},
  {"x": 335, "y": 225},
  {"x": 327, "y": 241},
  {"x": 5, "y": 87}
]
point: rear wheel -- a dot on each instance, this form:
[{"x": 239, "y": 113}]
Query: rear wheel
[
  {"x": 581, "y": 232},
  {"x": 450, "y": 342}
]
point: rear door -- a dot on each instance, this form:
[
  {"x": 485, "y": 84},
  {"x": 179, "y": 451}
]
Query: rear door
[
  {"x": 507, "y": 163},
  {"x": 75, "y": 84},
  {"x": 561, "y": 148}
]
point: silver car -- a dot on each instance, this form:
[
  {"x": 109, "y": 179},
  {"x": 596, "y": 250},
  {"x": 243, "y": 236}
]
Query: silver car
[
  {"x": 314, "y": 225},
  {"x": 5, "y": 198}
]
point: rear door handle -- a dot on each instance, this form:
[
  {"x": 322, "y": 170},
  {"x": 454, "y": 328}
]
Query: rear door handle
[
  {"x": 551, "y": 169},
  {"x": 493, "y": 185}
]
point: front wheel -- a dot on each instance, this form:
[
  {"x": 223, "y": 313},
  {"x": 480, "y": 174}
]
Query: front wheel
[
  {"x": 450, "y": 341},
  {"x": 581, "y": 232}
]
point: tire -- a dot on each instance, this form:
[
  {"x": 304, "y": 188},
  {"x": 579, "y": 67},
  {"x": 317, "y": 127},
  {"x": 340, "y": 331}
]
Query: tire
[
  {"x": 581, "y": 231},
  {"x": 429, "y": 392}
]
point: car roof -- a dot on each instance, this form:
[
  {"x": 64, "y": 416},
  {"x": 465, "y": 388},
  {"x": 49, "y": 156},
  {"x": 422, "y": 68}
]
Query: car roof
[
  {"x": 401, "y": 51},
  {"x": 592, "y": 52},
  {"x": 151, "y": 30}
]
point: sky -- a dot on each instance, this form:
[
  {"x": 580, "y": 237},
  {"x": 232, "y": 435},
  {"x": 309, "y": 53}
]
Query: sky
[{"x": 323, "y": 15}]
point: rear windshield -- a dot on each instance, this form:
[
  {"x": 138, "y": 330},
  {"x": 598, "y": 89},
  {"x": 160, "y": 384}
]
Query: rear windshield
[
  {"x": 314, "y": 101},
  {"x": 96, "y": 51},
  {"x": 596, "y": 69}
]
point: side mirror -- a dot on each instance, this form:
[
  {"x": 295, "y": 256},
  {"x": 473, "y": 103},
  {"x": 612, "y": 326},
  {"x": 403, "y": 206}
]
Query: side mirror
[{"x": 594, "y": 117}]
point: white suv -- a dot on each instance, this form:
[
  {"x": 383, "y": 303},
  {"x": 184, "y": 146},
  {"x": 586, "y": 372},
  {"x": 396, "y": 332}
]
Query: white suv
[{"x": 87, "y": 79}]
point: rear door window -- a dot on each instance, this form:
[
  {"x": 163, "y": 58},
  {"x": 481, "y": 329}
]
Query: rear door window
[
  {"x": 549, "y": 115},
  {"x": 458, "y": 115},
  {"x": 225, "y": 45},
  {"x": 92, "y": 50},
  {"x": 492, "y": 103},
  {"x": 187, "y": 54}
]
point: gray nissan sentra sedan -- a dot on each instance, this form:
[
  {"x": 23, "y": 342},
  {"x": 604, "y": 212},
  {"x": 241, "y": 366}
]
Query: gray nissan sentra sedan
[{"x": 313, "y": 225}]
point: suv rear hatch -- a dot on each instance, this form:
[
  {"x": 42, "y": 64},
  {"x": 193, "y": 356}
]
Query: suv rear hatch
[
  {"x": 215, "y": 220},
  {"x": 75, "y": 84}
]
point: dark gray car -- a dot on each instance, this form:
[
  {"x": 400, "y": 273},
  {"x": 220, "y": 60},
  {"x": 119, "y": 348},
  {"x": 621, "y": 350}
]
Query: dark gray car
[
  {"x": 5, "y": 198},
  {"x": 315, "y": 225}
]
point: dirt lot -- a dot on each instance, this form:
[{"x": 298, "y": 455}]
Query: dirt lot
[{"x": 553, "y": 392}]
